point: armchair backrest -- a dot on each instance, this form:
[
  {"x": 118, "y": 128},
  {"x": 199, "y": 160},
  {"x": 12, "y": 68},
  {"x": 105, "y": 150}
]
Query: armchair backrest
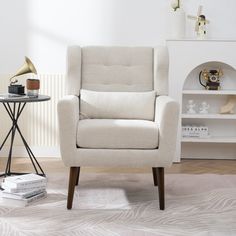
[{"x": 117, "y": 69}]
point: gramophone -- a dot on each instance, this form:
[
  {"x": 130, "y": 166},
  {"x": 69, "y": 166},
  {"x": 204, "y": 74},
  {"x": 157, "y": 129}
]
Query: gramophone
[{"x": 26, "y": 68}]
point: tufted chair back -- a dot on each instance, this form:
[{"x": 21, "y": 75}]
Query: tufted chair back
[{"x": 117, "y": 69}]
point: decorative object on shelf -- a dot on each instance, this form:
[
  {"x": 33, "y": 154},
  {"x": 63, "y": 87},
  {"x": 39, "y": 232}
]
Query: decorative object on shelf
[
  {"x": 177, "y": 20},
  {"x": 195, "y": 131},
  {"x": 33, "y": 86},
  {"x": 204, "y": 108},
  {"x": 26, "y": 68},
  {"x": 212, "y": 78},
  {"x": 190, "y": 107},
  {"x": 228, "y": 108},
  {"x": 201, "y": 21}
]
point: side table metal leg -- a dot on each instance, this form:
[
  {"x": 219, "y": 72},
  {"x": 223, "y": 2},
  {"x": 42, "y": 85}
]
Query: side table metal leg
[
  {"x": 30, "y": 153},
  {"x": 8, "y": 167},
  {"x": 6, "y": 138},
  {"x": 12, "y": 131},
  {"x": 14, "y": 115}
]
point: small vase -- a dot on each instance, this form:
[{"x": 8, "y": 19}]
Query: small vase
[{"x": 177, "y": 24}]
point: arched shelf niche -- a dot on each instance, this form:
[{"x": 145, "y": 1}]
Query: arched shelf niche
[
  {"x": 192, "y": 89},
  {"x": 228, "y": 80},
  {"x": 222, "y": 127}
]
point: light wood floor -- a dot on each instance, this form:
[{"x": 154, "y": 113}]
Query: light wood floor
[{"x": 185, "y": 167}]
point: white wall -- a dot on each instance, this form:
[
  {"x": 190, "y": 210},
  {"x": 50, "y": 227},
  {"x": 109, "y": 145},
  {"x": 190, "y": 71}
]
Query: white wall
[{"x": 42, "y": 29}]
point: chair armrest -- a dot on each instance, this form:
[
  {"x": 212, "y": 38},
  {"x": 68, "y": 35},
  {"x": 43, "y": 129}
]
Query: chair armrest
[
  {"x": 68, "y": 117},
  {"x": 167, "y": 118}
]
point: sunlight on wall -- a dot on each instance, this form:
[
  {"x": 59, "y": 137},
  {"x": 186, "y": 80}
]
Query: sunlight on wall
[
  {"x": 42, "y": 29},
  {"x": 88, "y": 22}
]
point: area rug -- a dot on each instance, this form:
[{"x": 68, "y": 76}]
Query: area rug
[{"x": 127, "y": 205}]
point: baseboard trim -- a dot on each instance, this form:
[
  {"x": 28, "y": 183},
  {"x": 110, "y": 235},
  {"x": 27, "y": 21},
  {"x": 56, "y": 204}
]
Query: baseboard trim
[{"x": 19, "y": 151}]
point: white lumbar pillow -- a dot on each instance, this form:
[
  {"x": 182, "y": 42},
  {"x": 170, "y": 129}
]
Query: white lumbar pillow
[{"x": 117, "y": 105}]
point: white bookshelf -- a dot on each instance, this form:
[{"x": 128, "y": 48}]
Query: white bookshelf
[
  {"x": 222, "y": 127},
  {"x": 192, "y": 57}
]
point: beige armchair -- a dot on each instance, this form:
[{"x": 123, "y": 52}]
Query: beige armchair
[{"x": 116, "y": 113}]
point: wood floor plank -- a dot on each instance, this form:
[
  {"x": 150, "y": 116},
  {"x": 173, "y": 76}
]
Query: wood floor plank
[{"x": 186, "y": 166}]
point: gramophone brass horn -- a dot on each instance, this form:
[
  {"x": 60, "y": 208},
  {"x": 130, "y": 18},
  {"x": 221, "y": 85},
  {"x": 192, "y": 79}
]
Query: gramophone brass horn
[{"x": 27, "y": 67}]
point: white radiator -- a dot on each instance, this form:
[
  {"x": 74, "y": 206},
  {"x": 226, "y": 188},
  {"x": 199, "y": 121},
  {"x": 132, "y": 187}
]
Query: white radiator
[{"x": 38, "y": 122}]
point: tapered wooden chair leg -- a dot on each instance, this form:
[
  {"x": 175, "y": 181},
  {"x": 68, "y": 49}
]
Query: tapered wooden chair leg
[
  {"x": 78, "y": 172},
  {"x": 154, "y": 173},
  {"x": 71, "y": 188},
  {"x": 161, "y": 187}
]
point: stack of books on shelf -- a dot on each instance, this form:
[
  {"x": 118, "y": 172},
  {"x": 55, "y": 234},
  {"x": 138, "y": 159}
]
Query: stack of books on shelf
[
  {"x": 23, "y": 190},
  {"x": 195, "y": 131}
]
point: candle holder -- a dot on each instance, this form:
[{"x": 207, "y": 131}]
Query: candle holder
[{"x": 32, "y": 86}]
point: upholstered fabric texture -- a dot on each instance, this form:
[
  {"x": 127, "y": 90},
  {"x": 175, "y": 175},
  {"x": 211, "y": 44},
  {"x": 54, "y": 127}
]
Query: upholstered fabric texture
[
  {"x": 117, "y": 134},
  {"x": 158, "y": 65},
  {"x": 116, "y": 74},
  {"x": 73, "y": 70},
  {"x": 166, "y": 118},
  {"x": 117, "y": 68},
  {"x": 117, "y": 105}
]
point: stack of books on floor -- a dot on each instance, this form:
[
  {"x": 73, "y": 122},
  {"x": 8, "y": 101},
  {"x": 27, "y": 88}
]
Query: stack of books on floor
[{"x": 23, "y": 190}]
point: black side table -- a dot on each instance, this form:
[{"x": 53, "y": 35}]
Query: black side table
[{"x": 14, "y": 107}]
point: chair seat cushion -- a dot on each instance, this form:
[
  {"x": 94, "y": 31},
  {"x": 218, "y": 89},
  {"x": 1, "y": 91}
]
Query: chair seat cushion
[{"x": 117, "y": 134}]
